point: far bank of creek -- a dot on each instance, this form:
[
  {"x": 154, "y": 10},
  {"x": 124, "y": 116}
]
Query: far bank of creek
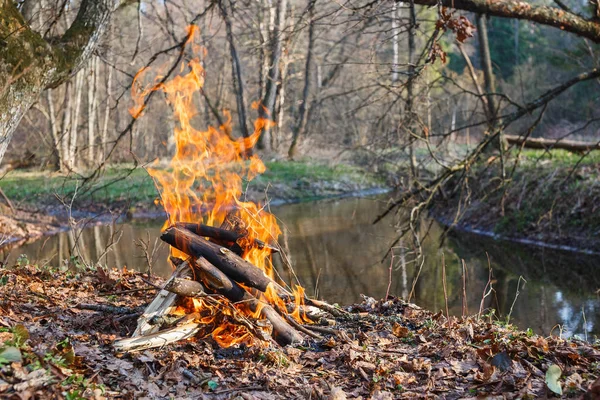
[{"x": 336, "y": 253}]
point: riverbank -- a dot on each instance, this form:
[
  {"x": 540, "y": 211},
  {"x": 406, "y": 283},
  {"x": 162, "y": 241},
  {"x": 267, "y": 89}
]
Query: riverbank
[
  {"x": 43, "y": 203},
  {"x": 550, "y": 200},
  {"x": 52, "y": 345}
]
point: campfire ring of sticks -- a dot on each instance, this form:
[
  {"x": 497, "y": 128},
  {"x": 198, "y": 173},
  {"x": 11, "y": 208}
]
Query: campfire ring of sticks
[{"x": 216, "y": 274}]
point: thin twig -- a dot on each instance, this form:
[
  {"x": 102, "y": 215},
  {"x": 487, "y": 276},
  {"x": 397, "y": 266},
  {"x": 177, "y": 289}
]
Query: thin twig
[
  {"x": 515, "y": 300},
  {"x": 445, "y": 289}
]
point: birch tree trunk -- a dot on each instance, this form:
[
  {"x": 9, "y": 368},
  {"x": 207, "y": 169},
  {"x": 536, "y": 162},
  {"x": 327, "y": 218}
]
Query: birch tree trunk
[
  {"x": 74, "y": 124},
  {"x": 92, "y": 108},
  {"x": 301, "y": 121},
  {"x": 410, "y": 113},
  {"x": 104, "y": 133},
  {"x": 66, "y": 128},
  {"x": 54, "y": 129},
  {"x": 236, "y": 71},
  {"x": 268, "y": 101},
  {"x": 395, "y": 40}
]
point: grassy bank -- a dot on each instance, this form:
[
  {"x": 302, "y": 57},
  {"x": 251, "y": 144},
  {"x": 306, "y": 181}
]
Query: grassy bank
[
  {"x": 125, "y": 186},
  {"x": 551, "y": 197}
]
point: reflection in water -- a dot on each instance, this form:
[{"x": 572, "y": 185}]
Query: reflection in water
[{"x": 337, "y": 255}]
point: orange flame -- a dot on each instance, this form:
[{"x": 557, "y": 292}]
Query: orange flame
[{"x": 204, "y": 180}]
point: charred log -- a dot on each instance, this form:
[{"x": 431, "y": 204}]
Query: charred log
[
  {"x": 222, "y": 236},
  {"x": 224, "y": 259},
  {"x": 216, "y": 280},
  {"x": 185, "y": 287}
]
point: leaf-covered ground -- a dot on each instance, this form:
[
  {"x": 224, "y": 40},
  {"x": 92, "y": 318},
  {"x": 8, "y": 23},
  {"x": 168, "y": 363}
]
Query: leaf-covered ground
[{"x": 56, "y": 331}]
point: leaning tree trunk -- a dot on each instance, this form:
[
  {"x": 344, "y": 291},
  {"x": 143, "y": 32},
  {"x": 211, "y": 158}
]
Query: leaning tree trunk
[{"x": 30, "y": 64}]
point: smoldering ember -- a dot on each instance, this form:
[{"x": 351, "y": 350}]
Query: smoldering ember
[{"x": 407, "y": 209}]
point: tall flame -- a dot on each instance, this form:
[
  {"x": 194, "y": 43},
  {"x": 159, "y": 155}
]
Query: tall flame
[{"x": 204, "y": 180}]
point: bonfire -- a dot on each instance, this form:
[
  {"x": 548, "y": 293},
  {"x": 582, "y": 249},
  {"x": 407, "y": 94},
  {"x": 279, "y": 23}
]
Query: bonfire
[{"x": 224, "y": 283}]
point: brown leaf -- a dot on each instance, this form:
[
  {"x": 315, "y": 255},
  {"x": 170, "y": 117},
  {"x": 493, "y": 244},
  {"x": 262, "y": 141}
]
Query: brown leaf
[
  {"x": 464, "y": 367},
  {"x": 400, "y": 331},
  {"x": 337, "y": 394}
]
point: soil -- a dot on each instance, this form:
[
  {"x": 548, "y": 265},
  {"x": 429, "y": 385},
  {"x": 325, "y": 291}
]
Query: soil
[
  {"x": 57, "y": 328},
  {"x": 22, "y": 225}
]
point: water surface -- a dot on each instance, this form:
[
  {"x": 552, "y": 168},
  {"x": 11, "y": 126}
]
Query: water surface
[{"x": 338, "y": 254}]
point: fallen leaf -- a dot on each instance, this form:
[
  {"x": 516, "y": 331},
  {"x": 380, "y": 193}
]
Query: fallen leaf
[
  {"x": 400, "y": 331},
  {"x": 10, "y": 355},
  {"x": 337, "y": 394},
  {"x": 464, "y": 367},
  {"x": 501, "y": 361},
  {"x": 552, "y": 377}
]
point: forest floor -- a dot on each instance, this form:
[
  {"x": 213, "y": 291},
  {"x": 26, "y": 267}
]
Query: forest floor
[
  {"x": 551, "y": 198},
  {"x": 42, "y": 202},
  {"x": 53, "y": 344}
]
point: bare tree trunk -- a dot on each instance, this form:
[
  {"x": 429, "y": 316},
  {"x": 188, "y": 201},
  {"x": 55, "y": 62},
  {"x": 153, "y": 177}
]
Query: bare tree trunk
[
  {"x": 280, "y": 110},
  {"x": 486, "y": 63},
  {"x": 490, "y": 88},
  {"x": 92, "y": 107},
  {"x": 74, "y": 125},
  {"x": 410, "y": 114},
  {"x": 104, "y": 134},
  {"x": 66, "y": 164},
  {"x": 301, "y": 120},
  {"x": 395, "y": 40},
  {"x": 236, "y": 72},
  {"x": 54, "y": 129},
  {"x": 268, "y": 101},
  {"x": 264, "y": 35}
]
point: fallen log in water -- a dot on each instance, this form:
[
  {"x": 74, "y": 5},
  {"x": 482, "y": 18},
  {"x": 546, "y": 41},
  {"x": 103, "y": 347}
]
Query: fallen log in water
[{"x": 224, "y": 259}]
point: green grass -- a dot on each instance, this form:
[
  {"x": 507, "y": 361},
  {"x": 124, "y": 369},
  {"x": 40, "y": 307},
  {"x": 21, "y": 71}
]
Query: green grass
[
  {"x": 557, "y": 158},
  {"x": 124, "y": 184}
]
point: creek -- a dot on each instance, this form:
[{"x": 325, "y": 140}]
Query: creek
[{"x": 337, "y": 255}]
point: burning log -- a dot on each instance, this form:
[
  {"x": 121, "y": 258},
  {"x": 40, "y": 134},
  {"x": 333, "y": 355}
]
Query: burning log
[
  {"x": 224, "y": 259},
  {"x": 223, "y": 236},
  {"x": 216, "y": 280}
]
